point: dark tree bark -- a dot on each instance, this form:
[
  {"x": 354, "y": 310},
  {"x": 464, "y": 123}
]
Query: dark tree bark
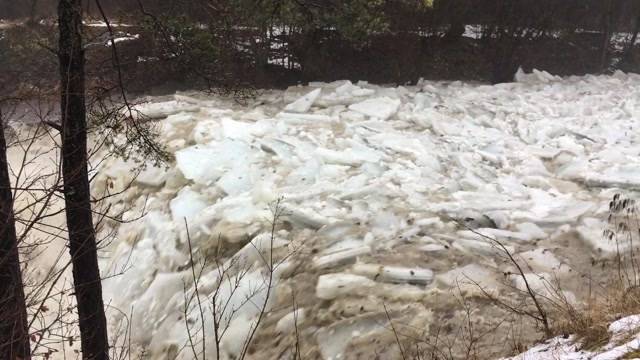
[
  {"x": 607, "y": 20},
  {"x": 33, "y": 10},
  {"x": 14, "y": 330},
  {"x": 504, "y": 47},
  {"x": 82, "y": 237},
  {"x": 456, "y": 10},
  {"x": 628, "y": 51}
]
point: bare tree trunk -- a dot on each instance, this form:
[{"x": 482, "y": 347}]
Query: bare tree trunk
[
  {"x": 456, "y": 10},
  {"x": 82, "y": 237},
  {"x": 33, "y": 9},
  {"x": 14, "y": 330},
  {"x": 628, "y": 51},
  {"x": 505, "y": 45},
  {"x": 607, "y": 19}
]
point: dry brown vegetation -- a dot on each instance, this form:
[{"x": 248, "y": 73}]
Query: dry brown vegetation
[{"x": 524, "y": 316}]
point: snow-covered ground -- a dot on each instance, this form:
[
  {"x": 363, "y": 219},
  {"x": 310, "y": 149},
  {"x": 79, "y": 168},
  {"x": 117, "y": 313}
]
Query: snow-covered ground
[
  {"x": 375, "y": 183},
  {"x": 624, "y": 344}
]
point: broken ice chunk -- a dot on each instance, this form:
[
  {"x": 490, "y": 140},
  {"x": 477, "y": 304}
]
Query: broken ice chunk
[
  {"x": 533, "y": 230},
  {"x": 349, "y": 89},
  {"x": 290, "y": 321},
  {"x": 549, "y": 209},
  {"x": 206, "y": 164},
  {"x": 345, "y": 94},
  {"x": 471, "y": 278},
  {"x": 475, "y": 220},
  {"x": 590, "y": 232},
  {"x": 237, "y": 180},
  {"x": 186, "y": 205},
  {"x": 294, "y": 119},
  {"x": 331, "y": 286},
  {"x": 304, "y": 103},
  {"x": 381, "y": 108},
  {"x": 341, "y": 256},
  {"x": 432, "y": 247},
  {"x": 157, "y": 300},
  {"x": 395, "y": 274},
  {"x": 304, "y": 217},
  {"x": 345, "y": 157},
  {"x": 206, "y": 130},
  {"x": 152, "y": 176},
  {"x": 198, "y": 163},
  {"x": 159, "y": 110},
  {"x": 621, "y": 176},
  {"x": 236, "y": 129},
  {"x": 333, "y": 340},
  {"x": 543, "y": 284},
  {"x": 497, "y": 234},
  {"x": 479, "y": 246},
  {"x": 543, "y": 260}
]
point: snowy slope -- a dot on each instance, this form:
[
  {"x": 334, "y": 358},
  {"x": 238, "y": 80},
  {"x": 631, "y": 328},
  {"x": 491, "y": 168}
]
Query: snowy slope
[
  {"x": 372, "y": 180},
  {"x": 625, "y": 342}
]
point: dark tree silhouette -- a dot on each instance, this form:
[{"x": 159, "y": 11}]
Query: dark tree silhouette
[
  {"x": 14, "y": 331},
  {"x": 82, "y": 237}
]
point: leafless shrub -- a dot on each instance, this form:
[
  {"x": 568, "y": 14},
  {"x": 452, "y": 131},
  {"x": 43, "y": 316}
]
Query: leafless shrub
[
  {"x": 589, "y": 319},
  {"x": 466, "y": 336},
  {"x": 539, "y": 314},
  {"x": 216, "y": 310}
]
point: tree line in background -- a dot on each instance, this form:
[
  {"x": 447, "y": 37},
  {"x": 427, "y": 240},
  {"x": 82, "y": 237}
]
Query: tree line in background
[{"x": 267, "y": 43}]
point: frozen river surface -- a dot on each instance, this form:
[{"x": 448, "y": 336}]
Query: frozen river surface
[{"x": 380, "y": 189}]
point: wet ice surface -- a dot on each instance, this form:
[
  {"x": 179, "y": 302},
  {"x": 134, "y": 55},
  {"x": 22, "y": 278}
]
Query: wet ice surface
[{"x": 377, "y": 182}]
